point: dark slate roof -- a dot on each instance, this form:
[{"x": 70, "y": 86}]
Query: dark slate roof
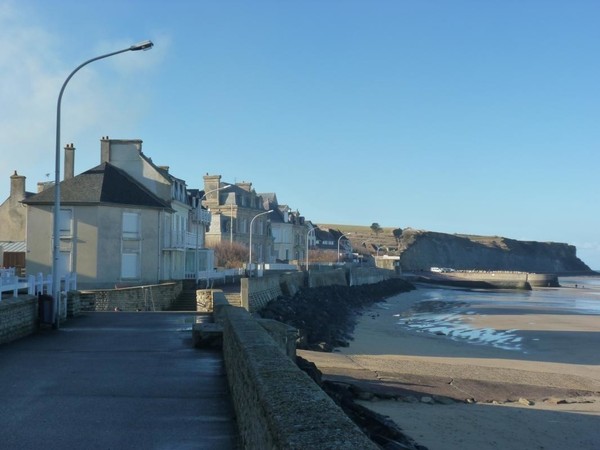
[
  {"x": 275, "y": 216},
  {"x": 104, "y": 184}
]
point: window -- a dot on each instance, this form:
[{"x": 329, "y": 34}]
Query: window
[
  {"x": 131, "y": 246},
  {"x": 131, "y": 225},
  {"x": 65, "y": 221}
]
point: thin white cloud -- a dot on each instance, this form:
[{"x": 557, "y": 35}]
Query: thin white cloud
[{"x": 104, "y": 98}]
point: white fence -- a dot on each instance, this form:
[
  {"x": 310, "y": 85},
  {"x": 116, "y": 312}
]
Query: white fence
[
  {"x": 35, "y": 285},
  {"x": 209, "y": 277}
]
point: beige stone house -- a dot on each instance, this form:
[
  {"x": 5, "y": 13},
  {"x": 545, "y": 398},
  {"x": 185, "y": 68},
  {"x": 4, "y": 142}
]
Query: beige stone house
[
  {"x": 123, "y": 222},
  {"x": 13, "y": 225}
]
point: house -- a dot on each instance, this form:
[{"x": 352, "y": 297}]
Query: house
[
  {"x": 13, "y": 225},
  {"x": 233, "y": 208},
  {"x": 123, "y": 222},
  {"x": 289, "y": 230},
  {"x": 325, "y": 240}
]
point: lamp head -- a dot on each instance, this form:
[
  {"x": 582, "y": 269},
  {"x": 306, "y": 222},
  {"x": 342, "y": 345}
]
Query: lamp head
[{"x": 145, "y": 45}]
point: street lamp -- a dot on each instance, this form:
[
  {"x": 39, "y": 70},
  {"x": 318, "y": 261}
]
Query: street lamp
[
  {"x": 199, "y": 207},
  {"x": 145, "y": 45},
  {"x": 307, "y": 235},
  {"x": 338, "y": 253},
  {"x": 250, "y": 252}
]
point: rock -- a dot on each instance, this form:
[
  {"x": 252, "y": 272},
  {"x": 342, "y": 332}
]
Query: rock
[
  {"x": 326, "y": 315},
  {"x": 428, "y": 400},
  {"x": 524, "y": 401},
  {"x": 556, "y": 401},
  {"x": 470, "y": 400},
  {"x": 443, "y": 400}
]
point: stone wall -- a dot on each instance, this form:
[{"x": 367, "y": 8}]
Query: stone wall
[
  {"x": 257, "y": 292},
  {"x": 157, "y": 297},
  {"x": 18, "y": 317},
  {"x": 277, "y": 405},
  {"x": 327, "y": 278},
  {"x": 368, "y": 275}
]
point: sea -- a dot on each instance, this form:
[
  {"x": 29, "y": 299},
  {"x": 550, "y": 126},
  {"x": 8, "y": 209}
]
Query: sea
[{"x": 505, "y": 318}]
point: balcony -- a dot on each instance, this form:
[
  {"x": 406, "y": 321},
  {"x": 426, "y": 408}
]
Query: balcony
[
  {"x": 202, "y": 216},
  {"x": 182, "y": 240}
]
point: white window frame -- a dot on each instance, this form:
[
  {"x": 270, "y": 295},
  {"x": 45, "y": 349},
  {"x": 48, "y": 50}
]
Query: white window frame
[{"x": 131, "y": 245}]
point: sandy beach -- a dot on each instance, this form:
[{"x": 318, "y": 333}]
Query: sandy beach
[{"x": 535, "y": 384}]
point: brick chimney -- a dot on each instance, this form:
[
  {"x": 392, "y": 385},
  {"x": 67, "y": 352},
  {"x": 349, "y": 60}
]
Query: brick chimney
[
  {"x": 69, "y": 162},
  {"x": 17, "y": 187}
]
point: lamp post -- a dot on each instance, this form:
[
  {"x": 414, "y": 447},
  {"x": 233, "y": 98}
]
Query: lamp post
[
  {"x": 231, "y": 225},
  {"x": 250, "y": 252},
  {"x": 338, "y": 251},
  {"x": 227, "y": 186},
  {"x": 307, "y": 235},
  {"x": 146, "y": 45}
]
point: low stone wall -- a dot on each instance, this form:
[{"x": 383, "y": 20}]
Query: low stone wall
[
  {"x": 257, "y": 292},
  {"x": 277, "y": 405},
  {"x": 18, "y": 317},
  {"x": 368, "y": 275},
  {"x": 157, "y": 297},
  {"x": 327, "y": 278}
]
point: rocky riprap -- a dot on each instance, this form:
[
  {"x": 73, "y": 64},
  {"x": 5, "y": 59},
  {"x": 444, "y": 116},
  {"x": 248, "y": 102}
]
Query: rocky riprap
[{"x": 325, "y": 316}]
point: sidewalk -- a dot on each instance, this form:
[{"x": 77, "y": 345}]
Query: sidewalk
[{"x": 115, "y": 381}]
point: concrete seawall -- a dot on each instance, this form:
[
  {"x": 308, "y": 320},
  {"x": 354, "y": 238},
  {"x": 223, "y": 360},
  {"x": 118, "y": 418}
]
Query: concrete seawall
[{"x": 492, "y": 279}]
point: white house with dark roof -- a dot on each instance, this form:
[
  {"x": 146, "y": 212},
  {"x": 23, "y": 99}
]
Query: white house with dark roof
[
  {"x": 289, "y": 230},
  {"x": 124, "y": 222}
]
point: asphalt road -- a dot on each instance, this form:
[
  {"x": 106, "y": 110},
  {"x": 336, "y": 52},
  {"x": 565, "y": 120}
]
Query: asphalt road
[{"x": 115, "y": 381}]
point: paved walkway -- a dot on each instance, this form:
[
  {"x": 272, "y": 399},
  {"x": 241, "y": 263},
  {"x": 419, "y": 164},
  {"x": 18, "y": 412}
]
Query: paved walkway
[{"x": 115, "y": 381}]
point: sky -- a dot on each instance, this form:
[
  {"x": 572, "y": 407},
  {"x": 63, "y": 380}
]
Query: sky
[{"x": 450, "y": 116}]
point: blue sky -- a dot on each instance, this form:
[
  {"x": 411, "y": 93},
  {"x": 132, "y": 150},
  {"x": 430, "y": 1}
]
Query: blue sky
[{"x": 452, "y": 116}]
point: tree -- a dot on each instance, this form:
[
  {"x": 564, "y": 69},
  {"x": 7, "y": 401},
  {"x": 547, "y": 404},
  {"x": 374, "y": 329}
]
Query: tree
[
  {"x": 397, "y": 234},
  {"x": 375, "y": 228},
  {"x": 230, "y": 255}
]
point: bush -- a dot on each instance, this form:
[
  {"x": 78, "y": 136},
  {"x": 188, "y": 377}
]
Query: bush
[{"x": 230, "y": 255}]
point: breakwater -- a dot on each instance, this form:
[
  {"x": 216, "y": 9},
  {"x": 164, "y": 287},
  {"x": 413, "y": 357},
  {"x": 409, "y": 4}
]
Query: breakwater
[{"x": 489, "y": 279}]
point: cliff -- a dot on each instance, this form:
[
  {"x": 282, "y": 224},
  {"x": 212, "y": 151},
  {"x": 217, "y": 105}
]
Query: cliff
[{"x": 421, "y": 250}]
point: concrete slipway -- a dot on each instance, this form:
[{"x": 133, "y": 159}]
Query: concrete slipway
[{"x": 115, "y": 381}]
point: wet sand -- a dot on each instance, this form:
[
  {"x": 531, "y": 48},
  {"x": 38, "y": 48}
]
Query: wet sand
[{"x": 542, "y": 392}]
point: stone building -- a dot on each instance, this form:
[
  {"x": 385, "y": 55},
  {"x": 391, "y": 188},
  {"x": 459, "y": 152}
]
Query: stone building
[
  {"x": 124, "y": 222},
  {"x": 13, "y": 225},
  {"x": 233, "y": 208}
]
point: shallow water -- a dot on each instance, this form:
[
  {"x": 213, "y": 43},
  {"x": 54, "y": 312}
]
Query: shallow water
[{"x": 448, "y": 312}]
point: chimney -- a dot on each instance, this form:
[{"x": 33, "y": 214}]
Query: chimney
[
  {"x": 69, "y": 162},
  {"x": 104, "y": 149},
  {"x": 245, "y": 186},
  {"x": 211, "y": 184},
  {"x": 17, "y": 187},
  {"x": 43, "y": 185}
]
